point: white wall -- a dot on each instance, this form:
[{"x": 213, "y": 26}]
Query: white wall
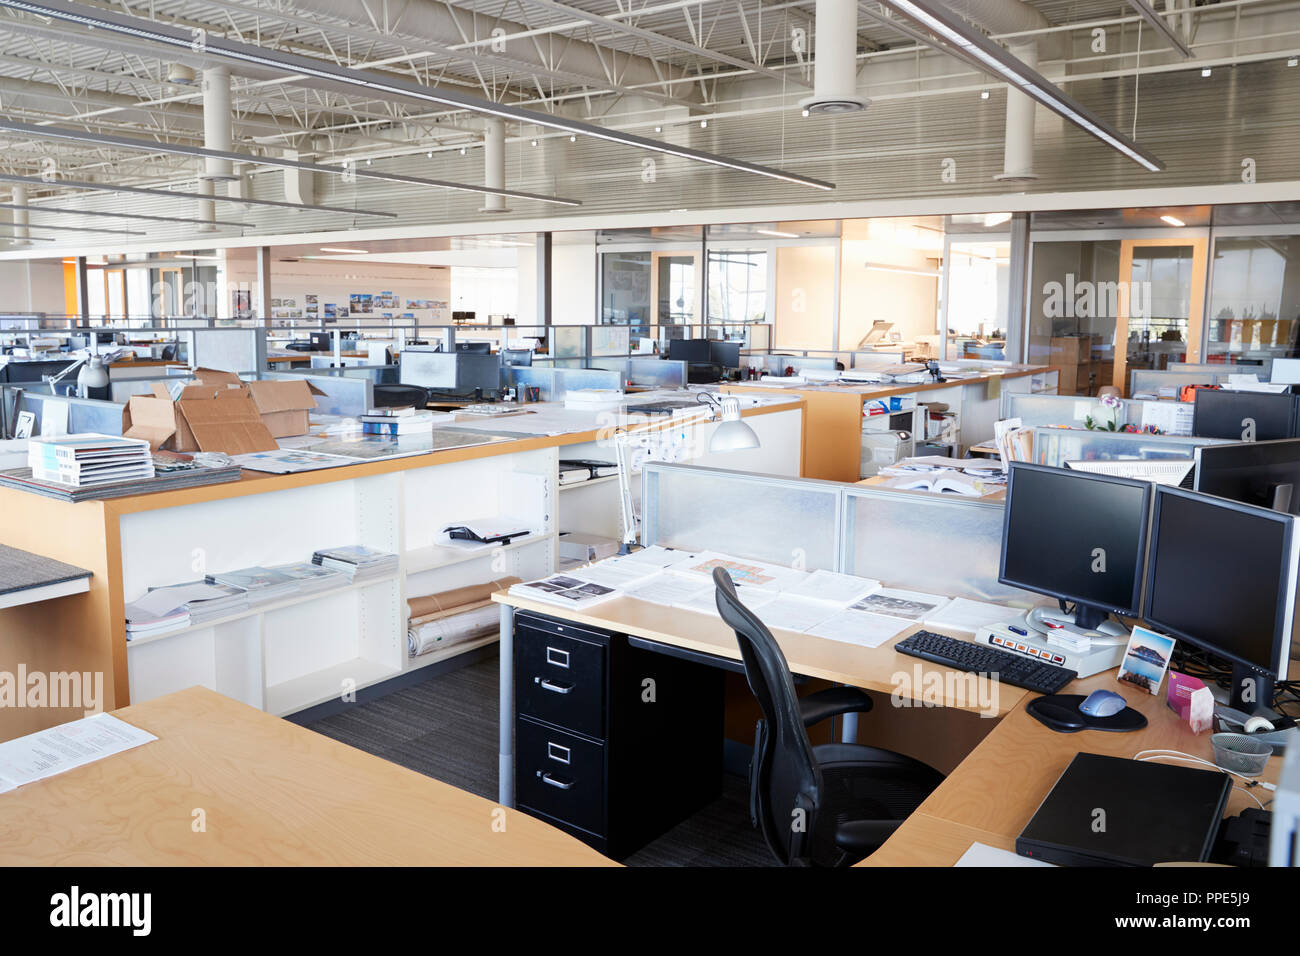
[
  {"x": 573, "y": 282},
  {"x": 32, "y": 285}
]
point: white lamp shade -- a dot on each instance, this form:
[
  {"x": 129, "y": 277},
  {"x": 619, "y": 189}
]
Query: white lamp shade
[{"x": 733, "y": 434}]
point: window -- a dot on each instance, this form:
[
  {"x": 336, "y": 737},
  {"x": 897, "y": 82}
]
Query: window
[
  {"x": 1254, "y": 298},
  {"x": 978, "y": 283},
  {"x": 737, "y": 287},
  {"x": 625, "y": 290}
]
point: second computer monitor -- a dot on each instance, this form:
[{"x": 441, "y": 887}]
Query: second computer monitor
[
  {"x": 1243, "y": 416},
  {"x": 1077, "y": 537},
  {"x": 725, "y": 354},
  {"x": 695, "y": 351},
  {"x": 1263, "y": 473}
]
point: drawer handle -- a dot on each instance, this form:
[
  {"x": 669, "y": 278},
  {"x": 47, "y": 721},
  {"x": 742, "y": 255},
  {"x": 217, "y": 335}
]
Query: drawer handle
[
  {"x": 557, "y": 656},
  {"x": 553, "y": 687},
  {"x": 555, "y": 781}
]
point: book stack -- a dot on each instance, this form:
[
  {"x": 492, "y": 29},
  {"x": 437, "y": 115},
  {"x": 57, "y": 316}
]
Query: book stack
[
  {"x": 358, "y": 562},
  {"x": 170, "y": 471},
  {"x": 392, "y": 422},
  {"x": 574, "y": 470},
  {"x": 259, "y": 584},
  {"x": 89, "y": 459},
  {"x": 311, "y": 578},
  {"x": 180, "y": 605}
]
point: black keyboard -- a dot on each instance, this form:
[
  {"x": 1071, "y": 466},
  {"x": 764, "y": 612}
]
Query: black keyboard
[{"x": 1009, "y": 668}]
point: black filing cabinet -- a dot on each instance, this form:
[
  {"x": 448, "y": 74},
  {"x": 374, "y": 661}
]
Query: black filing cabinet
[{"x": 613, "y": 743}]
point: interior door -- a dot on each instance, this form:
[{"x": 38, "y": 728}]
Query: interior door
[{"x": 1161, "y": 304}]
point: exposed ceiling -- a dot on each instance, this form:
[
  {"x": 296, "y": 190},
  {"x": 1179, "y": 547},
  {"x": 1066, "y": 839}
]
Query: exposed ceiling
[{"x": 658, "y": 68}]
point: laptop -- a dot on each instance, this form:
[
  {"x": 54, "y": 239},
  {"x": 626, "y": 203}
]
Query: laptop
[{"x": 1111, "y": 811}]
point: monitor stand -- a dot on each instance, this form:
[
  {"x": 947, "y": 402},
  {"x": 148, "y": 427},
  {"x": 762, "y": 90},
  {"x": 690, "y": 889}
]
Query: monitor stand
[{"x": 1088, "y": 623}]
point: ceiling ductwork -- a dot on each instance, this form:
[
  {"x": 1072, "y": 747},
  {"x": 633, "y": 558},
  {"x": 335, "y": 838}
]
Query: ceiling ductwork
[
  {"x": 835, "y": 78},
  {"x": 444, "y": 25}
]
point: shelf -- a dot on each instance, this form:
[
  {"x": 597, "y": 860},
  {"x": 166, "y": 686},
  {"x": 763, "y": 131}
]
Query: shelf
[
  {"x": 424, "y": 660},
  {"x": 441, "y": 556},
  {"x": 259, "y": 609},
  {"x": 589, "y": 482},
  {"x": 45, "y": 592},
  {"x": 320, "y": 686}
]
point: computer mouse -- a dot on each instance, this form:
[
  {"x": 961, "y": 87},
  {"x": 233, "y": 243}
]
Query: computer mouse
[{"x": 1102, "y": 703}]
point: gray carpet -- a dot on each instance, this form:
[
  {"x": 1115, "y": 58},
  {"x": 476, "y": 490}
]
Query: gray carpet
[{"x": 446, "y": 728}]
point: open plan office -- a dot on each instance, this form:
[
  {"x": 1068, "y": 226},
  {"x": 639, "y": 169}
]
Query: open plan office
[{"x": 812, "y": 434}]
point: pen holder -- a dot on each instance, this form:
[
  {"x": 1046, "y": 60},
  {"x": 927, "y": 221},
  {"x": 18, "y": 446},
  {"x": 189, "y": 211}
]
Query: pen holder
[{"x": 1240, "y": 753}]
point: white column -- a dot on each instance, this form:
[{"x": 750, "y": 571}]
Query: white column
[{"x": 494, "y": 163}]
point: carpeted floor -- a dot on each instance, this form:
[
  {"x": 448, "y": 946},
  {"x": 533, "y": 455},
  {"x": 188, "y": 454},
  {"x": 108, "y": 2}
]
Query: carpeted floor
[{"x": 446, "y": 728}]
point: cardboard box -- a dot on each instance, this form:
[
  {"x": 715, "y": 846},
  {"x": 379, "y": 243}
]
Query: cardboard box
[
  {"x": 151, "y": 417},
  {"x": 284, "y": 405},
  {"x": 224, "y": 419}
]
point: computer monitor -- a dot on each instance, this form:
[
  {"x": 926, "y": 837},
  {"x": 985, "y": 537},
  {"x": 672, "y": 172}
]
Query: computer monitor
[
  {"x": 695, "y": 351},
  {"x": 1262, "y": 473},
  {"x": 1244, "y": 416},
  {"x": 726, "y": 354},
  {"x": 1077, "y": 537},
  {"x": 477, "y": 348},
  {"x": 322, "y": 341},
  {"x": 1222, "y": 576},
  {"x": 516, "y": 356}
]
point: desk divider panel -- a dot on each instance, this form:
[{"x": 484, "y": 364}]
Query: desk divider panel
[{"x": 1056, "y": 446}]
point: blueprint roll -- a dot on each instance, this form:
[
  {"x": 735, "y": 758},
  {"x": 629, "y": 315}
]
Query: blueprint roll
[{"x": 451, "y": 629}]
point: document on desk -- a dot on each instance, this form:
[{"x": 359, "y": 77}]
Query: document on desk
[
  {"x": 859, "y": 627},
  {"x": 49, "y": 752},
  {"x": 961, "y": 614},
  {"x": 773, "y": 577},
  {"x": 794, "y": 614},
  {"x": 613, "y": 573},
  {"x": 834, "y": 588},
  {"x": 908, "y": 605},
  {"x": 669, "y": 590},
  {"x": 705, "y": 601},
  {"x": 981, "y": 854},
  {"x": 654, "y": 557}
]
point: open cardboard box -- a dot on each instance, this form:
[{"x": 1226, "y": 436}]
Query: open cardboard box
[{"x": 221, "y": 413}]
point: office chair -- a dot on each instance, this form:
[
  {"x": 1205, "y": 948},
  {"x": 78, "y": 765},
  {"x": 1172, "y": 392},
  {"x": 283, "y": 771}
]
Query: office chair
[{"x": 829, "y": 805}]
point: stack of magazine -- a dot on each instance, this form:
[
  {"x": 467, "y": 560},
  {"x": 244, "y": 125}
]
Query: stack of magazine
[
  {"x": 88, "y": 459},
  {"x": 260, "y": 584},
  {"x": 180, "y": 605},
  {"x": 358, "y": 562},
  {"x": 311, "y": 577},
  {"x": 170, "y": 471}
]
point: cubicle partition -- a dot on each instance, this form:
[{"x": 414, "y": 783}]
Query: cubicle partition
[
  {"x": 84, "y": 414},
  {"x": 554, "y": 383},
  {"x": 944, "y": 545},
  {"x": 1072, "y": 411},
  {"x": 1056, "y": 446}
]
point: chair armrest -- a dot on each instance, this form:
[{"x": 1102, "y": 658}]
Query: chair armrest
[{"x": 833, "y": 702}]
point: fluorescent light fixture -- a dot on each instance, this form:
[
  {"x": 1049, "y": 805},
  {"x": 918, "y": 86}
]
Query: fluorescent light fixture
[
  {"x": 963, "y": 40},
  {"x": 984, "y": 94},
  {"x": 996, "y": 219},
  {"x": 179, "y": 149},
  {"x": 34, "y": 225},
  {"x": 18, "y": 238},
  {"x": 192, "y": 255},
  {"x": 111, "y": 215},
  {"x": 874, "y": 267},
  {"x": 347, "y": 79},
  {"x": 777, "y": 233},
  {"x": 1173, "y": 221},
  {"x": 340, "y": 249},
  {"x": 1162, "y": 27},
  {"x": 1293, "y": 61},
  {"x": 1206, "y": 72},
  {"x": 177, "y": 194}
]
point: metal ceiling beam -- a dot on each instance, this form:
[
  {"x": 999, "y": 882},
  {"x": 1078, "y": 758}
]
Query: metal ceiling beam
[
  {"x": 180, "y": 149},
  {"x": 44, "y": 225},
  {"x": 344, "y": 78},
  {"x": 112, "y": 215},
  {"x": 18, "y": 238},
  {"x": 957, "y": 36},
  {"x": 176, "y": 194},
  {"x": 1162, "y": 27},
  {"x": 653, "y": 37}
]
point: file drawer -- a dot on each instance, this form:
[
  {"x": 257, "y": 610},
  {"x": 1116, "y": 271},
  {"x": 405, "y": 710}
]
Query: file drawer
[
  {"x": 560, "y": 675},
  {"x": 561, "y": 775}
]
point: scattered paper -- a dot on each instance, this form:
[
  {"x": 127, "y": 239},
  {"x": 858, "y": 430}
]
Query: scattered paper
[
  {"x": 909, "y": 605},
  {"x": 961, "y": 614},
  {"x": 859, "y": 627},
  {"x": 49, "y": 752},
  {"x": 705, "y": 601},
  {"x": 981, "y": 854},
  {"x": 793, "y": 614},
  {"x": 668, "y": 589},
  {"x": 839, "y": 589}
]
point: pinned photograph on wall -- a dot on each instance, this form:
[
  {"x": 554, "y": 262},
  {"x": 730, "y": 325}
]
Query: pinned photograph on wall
[
  {"x": 310, "y": 300},
  {"x": 1146, "y": 659},
  {"x": 331, "y": 310},
  {"x": 360, "y": 302}
]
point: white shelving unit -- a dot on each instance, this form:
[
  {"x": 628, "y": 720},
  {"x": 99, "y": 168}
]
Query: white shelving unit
[{"x": 304, "y": 650}]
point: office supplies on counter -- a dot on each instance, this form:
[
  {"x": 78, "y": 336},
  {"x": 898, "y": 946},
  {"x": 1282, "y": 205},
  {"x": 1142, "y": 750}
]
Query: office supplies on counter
[
  {"x": 1064, "y": 645},
  {"x": 1100, "y": 710},
  {"x": 1037, "y": 676},
  {"x": 88, "y": 459},
  {"x": 1191, "y": 700},
  {"x": 1154, "y": 813},
  {"x": 171, "y": 471}
]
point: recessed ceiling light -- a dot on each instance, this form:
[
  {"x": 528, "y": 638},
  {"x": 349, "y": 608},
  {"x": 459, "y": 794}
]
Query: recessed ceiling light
[
  {"x": 355, "y": 252},
  {"x": 1172, "y": 220},
  {"x": 996, "y": 219},
  {"x": 984, "y": 94},
  {"x": 805, "y": 112},
  {"x": 777, "y": 233},
  {"x": 1293, "y": 61},
  {"x": 429, "y": 154},
  {"x": 704, "y": 124},
  {"x": 573, "y": 139},
  {"x": 659, "y": 129},
  {"x": 367, "y": 160},
  {"x": 1206, "y": 72},
  {"x": 533, "y": 142},
  {"x": 462, "y": 150}
]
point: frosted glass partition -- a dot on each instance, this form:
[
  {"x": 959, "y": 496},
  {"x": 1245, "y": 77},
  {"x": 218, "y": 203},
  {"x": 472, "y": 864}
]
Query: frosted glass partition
[
  {"x": 1152, "y": 381},
  {"x": 1072, "y": 410},
  {"x": 554, "y": 382},
  {"x": 925, "y": 543},
  {"x": 1056, "y": 446},
  {"x": 790, "y": 521}
]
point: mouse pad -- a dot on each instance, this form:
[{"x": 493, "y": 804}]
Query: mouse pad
[{"x": 1061, "y": 713}]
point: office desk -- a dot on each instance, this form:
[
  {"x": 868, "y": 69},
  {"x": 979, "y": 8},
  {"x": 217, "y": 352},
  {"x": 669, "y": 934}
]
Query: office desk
[
  {"x": 994, "y": 792},
  {"x": 273, "y": 794},
  {"x": 874, "y": 669}
]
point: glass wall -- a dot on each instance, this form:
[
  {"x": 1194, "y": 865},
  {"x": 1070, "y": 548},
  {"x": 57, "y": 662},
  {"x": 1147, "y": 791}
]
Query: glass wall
[
  {"x": 737, "y": 286},
  {"x": 1254, "y": 299},
  {"x": 1073, "y": 310},
  {"x": 625, "y": 290},
  {"x": 978, "y": 276}
]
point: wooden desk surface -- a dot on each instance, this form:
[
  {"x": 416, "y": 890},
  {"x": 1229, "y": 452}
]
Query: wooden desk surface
[
  {"x": 272, "y": 793},
  {"x": 994, "y": 792},
  {"x": 879, "y": 669},
  {"x": 879, "y": 481}
]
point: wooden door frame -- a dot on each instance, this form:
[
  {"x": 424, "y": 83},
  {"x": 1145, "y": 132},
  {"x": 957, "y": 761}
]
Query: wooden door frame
[{"x": 1200, "y": 246}]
